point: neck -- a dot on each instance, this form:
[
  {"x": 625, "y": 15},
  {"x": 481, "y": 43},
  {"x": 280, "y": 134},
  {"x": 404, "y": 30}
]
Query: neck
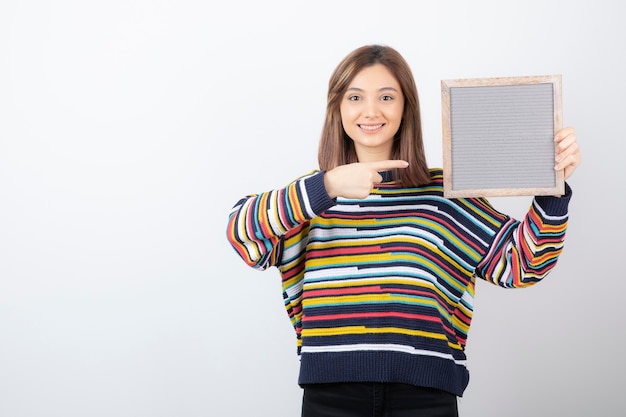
[{"x": 374, "y": 155}]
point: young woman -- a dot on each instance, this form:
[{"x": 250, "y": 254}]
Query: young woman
[{"x": 378, "y": 269}]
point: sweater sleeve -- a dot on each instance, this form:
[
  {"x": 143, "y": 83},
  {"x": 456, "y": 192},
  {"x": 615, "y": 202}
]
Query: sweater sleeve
[
  {"x": 258, "y": 222},
  {"x": 524, "y": 252}
]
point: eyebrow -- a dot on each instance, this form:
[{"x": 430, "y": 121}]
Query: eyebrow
[{"x": 380, "y": 89}]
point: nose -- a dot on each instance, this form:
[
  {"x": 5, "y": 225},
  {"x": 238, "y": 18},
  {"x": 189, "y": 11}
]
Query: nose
[{"x": 371, "y": 109}]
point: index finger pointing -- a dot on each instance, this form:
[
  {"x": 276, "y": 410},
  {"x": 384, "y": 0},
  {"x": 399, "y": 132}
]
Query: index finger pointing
[{"x": 388, "y": 164}]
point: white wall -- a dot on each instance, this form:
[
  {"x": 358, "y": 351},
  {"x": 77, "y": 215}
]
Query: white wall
[{"x": 128, "y": 129}]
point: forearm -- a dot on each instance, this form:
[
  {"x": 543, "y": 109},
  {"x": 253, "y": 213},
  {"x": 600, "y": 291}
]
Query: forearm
[
  {"x": 257, "y": 223},
  {"x": 525, "y": 252}
]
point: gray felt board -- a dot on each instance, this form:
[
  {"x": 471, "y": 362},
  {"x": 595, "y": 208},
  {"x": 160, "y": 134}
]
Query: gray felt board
[{"x": 501, "y": 138}]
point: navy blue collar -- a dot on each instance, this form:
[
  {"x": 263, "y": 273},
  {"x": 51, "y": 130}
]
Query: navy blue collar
[{"x": 387, "y": 176}]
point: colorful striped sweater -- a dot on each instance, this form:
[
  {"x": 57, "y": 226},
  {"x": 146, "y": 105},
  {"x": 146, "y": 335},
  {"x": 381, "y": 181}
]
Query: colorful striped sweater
[{"x": 382, "y": 289}]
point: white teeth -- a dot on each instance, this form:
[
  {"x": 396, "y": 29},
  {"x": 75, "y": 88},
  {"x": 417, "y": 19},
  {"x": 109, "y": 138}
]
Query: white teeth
[{"x": 371, "y": 127}]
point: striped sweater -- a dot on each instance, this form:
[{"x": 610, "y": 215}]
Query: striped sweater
[{"x": 382, "y": 289}]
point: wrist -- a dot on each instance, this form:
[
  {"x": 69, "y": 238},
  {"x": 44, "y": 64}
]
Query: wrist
[{"x": 328, "y": 184}]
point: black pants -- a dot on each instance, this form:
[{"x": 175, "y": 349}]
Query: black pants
[{"x": 376, "y": 400}]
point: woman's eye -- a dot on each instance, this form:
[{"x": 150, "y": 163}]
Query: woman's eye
[
  {"x": 386, "y": 98},
  {"x": 354, "y": 98}
]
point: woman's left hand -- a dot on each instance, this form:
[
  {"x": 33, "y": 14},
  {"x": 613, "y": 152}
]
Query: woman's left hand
[{"x": 567, "y": 151}]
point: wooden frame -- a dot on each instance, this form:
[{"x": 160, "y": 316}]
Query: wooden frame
[{"x": 498, "y": 136}]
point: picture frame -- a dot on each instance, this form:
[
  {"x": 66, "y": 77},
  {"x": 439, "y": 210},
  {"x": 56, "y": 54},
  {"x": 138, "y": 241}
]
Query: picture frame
[{"x": 498, "y": 136}]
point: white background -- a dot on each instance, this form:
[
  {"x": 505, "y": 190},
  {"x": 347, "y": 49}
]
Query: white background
[{"x": 129, "y": 128}]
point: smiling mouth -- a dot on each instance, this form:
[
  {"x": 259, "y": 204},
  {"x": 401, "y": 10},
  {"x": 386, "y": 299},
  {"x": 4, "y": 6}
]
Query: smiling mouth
[{"x": 371, "y": 127}]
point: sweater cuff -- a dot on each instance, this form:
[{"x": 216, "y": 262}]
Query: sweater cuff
[
  {"x": 555, "y": 206},
  {"x": 317, "y": 194}
]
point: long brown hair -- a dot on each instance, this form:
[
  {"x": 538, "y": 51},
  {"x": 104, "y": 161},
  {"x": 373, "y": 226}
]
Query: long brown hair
[{"x": 336, "y": 148}]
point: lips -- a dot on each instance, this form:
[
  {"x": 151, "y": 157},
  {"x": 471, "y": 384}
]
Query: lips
[{"x": 371, "y": 127}]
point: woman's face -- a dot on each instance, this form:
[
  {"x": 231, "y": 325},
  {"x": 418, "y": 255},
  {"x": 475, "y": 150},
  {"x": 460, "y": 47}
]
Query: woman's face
[{"x": 371, "y": 112}]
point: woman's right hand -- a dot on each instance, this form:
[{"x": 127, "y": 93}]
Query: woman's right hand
[{"x": 357, "y": 180}]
